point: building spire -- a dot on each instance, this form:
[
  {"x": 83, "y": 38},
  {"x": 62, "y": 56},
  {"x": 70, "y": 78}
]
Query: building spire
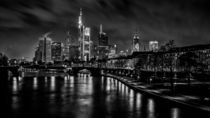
[
  {"x": 80, "y": 11},
  {"x": 101, "y": 29},
  {"x": 80, "y": 23}
]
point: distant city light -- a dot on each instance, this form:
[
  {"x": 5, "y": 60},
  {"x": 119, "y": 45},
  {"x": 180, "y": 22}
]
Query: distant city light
[
  {"x": 87, "y": 31},
  {"x": 153, "y": 45}
]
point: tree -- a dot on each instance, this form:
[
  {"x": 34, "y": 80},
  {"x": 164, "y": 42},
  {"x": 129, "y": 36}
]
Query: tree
[
  {"x": 3, "y": 60},
  {"x": 141, "y": 62},
  {"x": 168, "y": 60},
  {"x": 188, "y": 61},
  {"x": 168, "y": 46}
]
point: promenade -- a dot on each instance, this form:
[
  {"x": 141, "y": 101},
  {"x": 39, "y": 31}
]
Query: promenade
[{"x": 194, "y": 95}]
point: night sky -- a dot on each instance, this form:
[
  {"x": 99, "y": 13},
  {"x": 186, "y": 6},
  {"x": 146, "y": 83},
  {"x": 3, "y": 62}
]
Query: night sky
[{"x": 22, "y": 22}]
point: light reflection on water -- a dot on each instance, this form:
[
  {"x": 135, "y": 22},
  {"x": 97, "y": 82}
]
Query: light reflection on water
[
  {"x": 45, "y": 81},
  {"x": 151, "y": 109},
  {"x": 35, "y": 83},
  {"x": 15, "y": 85},
  {"x": 175, "y": 113},
  {"x": 52, "y": 83},
  {"x": 138, "y": 100},
  {"x": 131, "y": 99},
  {"x": 87, "y": 96}
]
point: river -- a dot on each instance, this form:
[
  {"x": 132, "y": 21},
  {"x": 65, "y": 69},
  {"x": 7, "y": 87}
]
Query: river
[{"x": 83, "y": 96}]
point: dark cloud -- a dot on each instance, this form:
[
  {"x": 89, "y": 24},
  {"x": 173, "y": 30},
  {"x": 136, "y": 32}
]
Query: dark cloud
[{"x": 23, "y": 21}]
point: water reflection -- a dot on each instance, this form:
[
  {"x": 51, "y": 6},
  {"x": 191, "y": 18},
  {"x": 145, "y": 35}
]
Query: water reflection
[
  {"x": 175, "y": 113},
  {"x": 151, "y": 109},
  {"x": 52, "y": 83},
  {"x": 20, "y": 78},
  {"x": 85, "y": 96},
  {"x": 138, "y": 100},
  {"x": 108, "y": 88},
  {"x": 35, "y": 83},
  {"x": 131, "y": 99},
  {"x": 46, "y": 81},
  {"x": 15, "y": 86}
]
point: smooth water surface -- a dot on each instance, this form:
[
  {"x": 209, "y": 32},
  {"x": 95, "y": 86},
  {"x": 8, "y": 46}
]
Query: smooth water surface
[{"x": 83, "y": 97}]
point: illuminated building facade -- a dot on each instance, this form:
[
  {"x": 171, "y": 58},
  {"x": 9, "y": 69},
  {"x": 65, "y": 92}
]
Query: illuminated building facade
[
  {"x": 153, "y": 45},
  {"x": 73, "y": 52},
  {"x": 56, "y": 51},
  {"x": 135, "y": 43},
  {"x": 66, "y": 47},
  {"x": 103, "y": 45},
  {"x": 112, "y": 51},
  {"x": 43, "y": 51},
  {"x": 84, "y": 40},
  {"x": 102, "y": 38}
]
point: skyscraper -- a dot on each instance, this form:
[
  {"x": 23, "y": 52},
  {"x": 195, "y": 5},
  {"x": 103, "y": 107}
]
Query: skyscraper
[
  {"x": 84, "y": 40},
  {"x": 103, "y": 45},
  {"x": 102, "y": 38},
  {"x": 135, "y": 43},
  {"x": 73, "y": 52},
  {"x": 66, "y": 47},
  {"x": 43, "y": 51},
  {"x": 38, "y": 55},
  {"x": 57, "y": 51}
]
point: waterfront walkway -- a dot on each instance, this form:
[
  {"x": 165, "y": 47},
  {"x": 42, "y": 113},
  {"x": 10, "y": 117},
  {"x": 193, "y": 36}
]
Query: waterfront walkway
[{"x": 193, "y": 95}]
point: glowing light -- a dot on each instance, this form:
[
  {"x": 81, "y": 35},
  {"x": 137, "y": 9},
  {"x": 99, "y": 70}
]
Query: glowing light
[
  {"x": 153, "y": 45},
  {"x": 15, "y": 102},
  {"x": 108, "y": 84},
  {"x": 35, "y": 85},
  {"x": 131, "y": 98},
  {"x": 138, "y": 100},
  {"x": 71, "y": 79},
  {"x": 20, "y": 78},
  {"x": 150, "y": 108},
  {"x": 52, "y": 83},
  {"x": 87, "y": 31},
  {"x": 15, "y": 85},
  {"x": 175, "y": 113}
]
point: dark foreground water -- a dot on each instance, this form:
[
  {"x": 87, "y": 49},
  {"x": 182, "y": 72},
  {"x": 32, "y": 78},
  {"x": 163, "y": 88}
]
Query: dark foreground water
[{"x": 83, "y": 97}]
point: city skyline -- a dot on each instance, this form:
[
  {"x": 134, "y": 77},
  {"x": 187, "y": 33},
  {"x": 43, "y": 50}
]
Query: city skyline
[
  {"x": 105, "y": 58},
  {"x": 22, "y": 22}
]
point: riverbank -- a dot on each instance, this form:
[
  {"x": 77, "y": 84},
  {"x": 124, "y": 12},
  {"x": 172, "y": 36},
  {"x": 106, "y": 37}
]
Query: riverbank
[{"x": 180, "y": 94}]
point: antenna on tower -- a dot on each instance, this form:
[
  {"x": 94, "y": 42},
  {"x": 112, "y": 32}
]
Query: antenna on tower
[
  {"x": 80, "y": 23},
  {"x": 80, "y": 11},
  {"x": 101, "y": 29}
]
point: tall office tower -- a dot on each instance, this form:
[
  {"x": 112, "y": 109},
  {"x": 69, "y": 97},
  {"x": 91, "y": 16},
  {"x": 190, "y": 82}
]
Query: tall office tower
[
  {"x": 135, "y": 43},
  {"x": 103, "y": 45},
  {"x": 112, "y": 51},
  {"x": 73, "y": 52},
  {"x": 86, "y": 45},
  {"x": 66, "y": 47},
  {"x": 45, "y": 48},
  {"x": 153, "y": 45},
  {"x": 94, "y": 49},
  {"x": 80, "y": 30},
  {"x": 102, "y": 38},
  {"x": 38, "y": 55},
  {"x": 84, "y": 40},
  {"x": 56, "y": 51}
]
